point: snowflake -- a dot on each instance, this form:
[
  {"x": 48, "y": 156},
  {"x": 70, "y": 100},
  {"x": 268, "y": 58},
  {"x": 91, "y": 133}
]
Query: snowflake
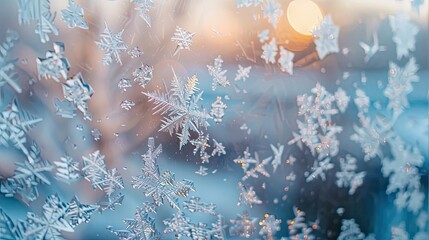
[
  {"x": 181, "y": 104},
  {"x": 96, "y": 172},
  {"x": 67, "y": 169},
  {"x": 55, "y": 65},
  {"x": 318, "y": 169},
  {"x": 400, "y": 85},
  {"x": 242, "y": 73},
  {"x": 113, "y": 201},
  {"x": 202, "y": 171},
  {"x": 369, "y": 136},
  {"x": 78, "y": 92},
  {"x": 112, "y": 44},
  {"x": 243, "y": 225},
  {"x": 78, "y": 213},
  {"x": 264, "y": 35},
  {"x": 64, "y": 108},
  {"x": 342, "y": 99},
  {"x": 135, "y": 52},
  {"x": 326, "y": 37},
  {"x": 194, "y": 205},
  {"x": 248, "y": 3},
  {"x": 200, "y": 231},
  {"x": 277, "y": 158},
  {"x": 269, "y": 226},
  {"x": 142, "y": 227},
  {"x": 163, "y": 186},
  {"x": 40, "y": 12},
  {"x": 219, "y": 149},
  {"x": 286, "y": 60},
  {"x": 272, "y": 11},
  {"x": 218, "y": 229},
  {"x": 124, "y": 83},
  {"x": 370, "y": 51},
  {"x": 143, "y": 75},
  {"x": 127, "y": 104},
  {"x": 143, "y": 7},
  {"x": 258, "y": 166},
  {"x": 399, "y": 233},
  {"x": 179, "y": 223},
  {"x": 73, "y": 16},
  {"x": 218, "y": 110},
  {"x": 183, "y": 39},
  {"x": 350, "y": 230},
  {"x": 404, "y": 34},
  {"x": 96, "y": 134},
  {"x": 362, "y": 101},
  {"x": 218, "y": 74},
  {"x": 404, "y": 177},
  {"x": 247, "y": 196},
  {"x": 298, "y": 228},
  {"x": 348, "y": 177},
  {"x": 269, "y": 51},
  {"x": 200, "y": 144},
  {"x": 9, "y": 229},
  {"x": 7, "y": 74}
]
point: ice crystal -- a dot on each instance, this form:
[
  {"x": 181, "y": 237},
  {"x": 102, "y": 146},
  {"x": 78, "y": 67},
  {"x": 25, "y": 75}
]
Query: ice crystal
[
  {"x": 404, "y": 177},
  {"x": 370, "y": 51},
  {"x": 73, "y": 16},
  {"x": 194, "y": 205},
  {"x": 362, "y": 101},
  {"x": 218, "y": 229},
  {"x": 8, "y": 229},
  {"x": 124, "y": 83},
  {"x": 96, "y": 134},
  {"x": 277, "y": 158},
  {"x": 38, "y": 11},
  {"x": 135, "y": 52},
  {"x": 272, "y": 10},
  {"x": 269, "y": 51},
  {"x": 286, "y": 60},
  {"x": 264, "y": 35},
  {"x": 161, "y": 187},
  {"x": 243, "y": 226},
  {"x": 111, "y": 203},
  {"x": 218, "y": 110},
  {"x": 201, "y": 144},
  {"x": 242, "y": 73},
  {"x": 141, "y": 227},
  {"x": 404, "y": 34},
  {"x": 298, "y": 228},
  {"x": 219, "y": 149},
  {"x": 269, "y": 227},
  {"x": 218, "y": 74},
  {"x": 143, "y": 7},
  {"x": 252, "y": 166},
  {"x": 202, "y": 171},
  {"x": 7, "y": 66},
  {"x": 247, "y": 196},
  {"x": 183, "y": 39},
  {"x": 181, "y": 106},
  {"x": 400, "y": 85},
  {"x": 127, "y": 104},
  {"x": 67, "y": 169},
  {"x": 55, "y": 65},
  {"x": 78, "y": 92},
  {"x": 64, "y": 108},
  {"x": 112, "y": 45},
  {"x": 348, "y": 177},
  {"x": 350, "y": 231},
  {"x": 248, "y": 3},
  {"x": 97, "y": 173},
  {"x": 369, "y": 136},
  {"x": 326, "y": 37},
  {"x": 342, "y": 99},
  {"x": 399, "y": 233},
  {"x": 318, "y": 169},
  {"x": 179, "y": 224},
  {"x": 143, "y": 75}
]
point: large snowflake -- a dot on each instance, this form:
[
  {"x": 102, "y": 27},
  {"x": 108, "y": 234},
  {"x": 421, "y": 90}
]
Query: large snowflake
[
  {"x": 326, "y": 37},
  {"x": 181, "y": 104},
  {"x": 73, "y": 16},
  {"x": 112, "y": 45},
  {"x": 183, "y": 39}
]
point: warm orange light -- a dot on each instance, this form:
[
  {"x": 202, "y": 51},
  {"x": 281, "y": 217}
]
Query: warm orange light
[{"x": 303, "y": 15}]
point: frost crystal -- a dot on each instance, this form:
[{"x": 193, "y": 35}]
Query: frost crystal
[
  {"x": 10, "y": 230},
  {"x": 269, "y": 227},
  {"x": 400, "y": 85},
  {"x": 142, "y": 227},
  {"x": 78, "y": 92},
  {"x": 143, "y": 7},
  {"x": 67, "y": 169},
  {"x": 183, "y": 39},
  {"x": 202, "y": 171},
  {"x": 40, "y": 12},
  {"x": 247, "y": 196},
  {"x": 257, "y": 166},
  {"x": 272, "y": 11},
  {"x": 161, "y": 187},
  {"x": 286, "y": 60},
  {"x": 298, "y": 228},
  {"x": 181, "y": 104},
  {"x": 127, "y": 104},
  {"x": 96, "y": 134},
  {"x": 64, "y": 108},
  {"x": 112, "y": 45},
  {"x": 218, "y": 74},
  {"x": 135, "y": 52},
  {"x": 201, "y": 144},
  {"x": 219, "y": 149},
  {"x": 404, "y": 177},
  {"x": 243, "y": 225},
  {"x": 277, "y": 158},
  {"x": 350, "y": 231},
  {"x": 143, "y": 75},
  {"x": 264, "y": 35},
  {"x": 326, "y": 37},
  {"x": 194, "y": 205},
  {"x": 7, "y": 67},
  {"x": 242, "y": 73},
  {"x": 370, "y": 51},
  {"x": 96, "y": 172},
  {"x": 342, "y": 99},
  {"x": 73, "y": 16},
  {"x": 248, "y": 3},
  {"x": 55, "y": 65},
  {"x": 404, "y": 34},
  {"x": 269, "y": 51},
  {"x": 218, "y": 110},
  {"x": 179, "y": 224},
  {"x": 348, "y": 177},
  {"x": 318, "y": 169},
  {"x": 124, "y": 83},
  {"x": 370, "y": 137}
]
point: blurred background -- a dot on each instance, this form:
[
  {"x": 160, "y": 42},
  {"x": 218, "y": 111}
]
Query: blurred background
[{"x": 267, "y": 107}]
